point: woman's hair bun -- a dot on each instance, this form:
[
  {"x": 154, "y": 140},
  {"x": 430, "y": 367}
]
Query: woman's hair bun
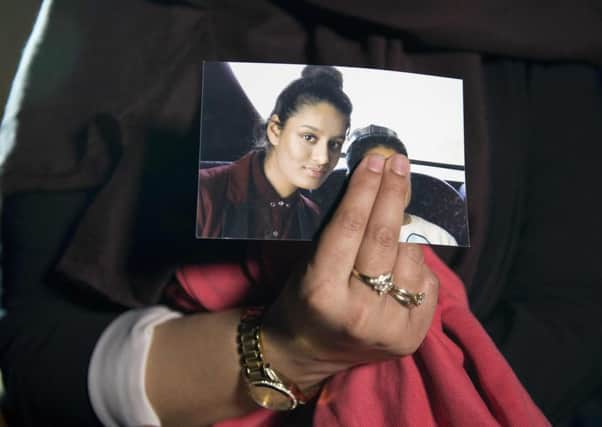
[{"x": 323, "y": 73}]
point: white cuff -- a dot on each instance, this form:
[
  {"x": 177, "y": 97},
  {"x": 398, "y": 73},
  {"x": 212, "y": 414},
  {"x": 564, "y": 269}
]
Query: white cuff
[{"x": 116, "y": 377}]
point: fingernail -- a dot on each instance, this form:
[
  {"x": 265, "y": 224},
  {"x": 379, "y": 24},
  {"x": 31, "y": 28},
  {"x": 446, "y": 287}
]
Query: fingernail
[
  {"x": 400, "y": 164},
  {"x": 376, "y": 163}
]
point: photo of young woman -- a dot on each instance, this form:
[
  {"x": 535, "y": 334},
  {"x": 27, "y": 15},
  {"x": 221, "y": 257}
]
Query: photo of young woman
[{"x": 259, "y": 195}]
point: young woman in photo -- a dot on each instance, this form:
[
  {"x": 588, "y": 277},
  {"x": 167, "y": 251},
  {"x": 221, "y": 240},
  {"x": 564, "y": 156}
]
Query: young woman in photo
[{"x": 259, "y": 196}]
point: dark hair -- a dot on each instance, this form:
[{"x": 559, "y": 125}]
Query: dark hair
[
  {"x": 363, "y": 139},
  {"x": 318, "y": 83}
]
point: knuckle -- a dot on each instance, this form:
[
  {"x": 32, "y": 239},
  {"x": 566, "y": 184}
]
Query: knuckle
[
  {"x": 385, "y": 236},
  {"x": 432, "y": 281},
  {"x": 314, "y": 298},
  {"x": 351, "y": 221},
  {"x": 413, "y": 252},
  {"x": 409, "y": 348},
  {"x": 356, "y": 322},
  {"x": 318, "y": 293},
  {"x": 412, "y": 342},
  {"x": 404, "y": 344}
]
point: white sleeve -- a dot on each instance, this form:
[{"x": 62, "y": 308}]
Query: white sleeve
[{"x": 116, "y": 377}]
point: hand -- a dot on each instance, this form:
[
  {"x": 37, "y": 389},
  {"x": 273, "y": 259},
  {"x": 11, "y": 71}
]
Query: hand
[{"x": 325, "y": 320}]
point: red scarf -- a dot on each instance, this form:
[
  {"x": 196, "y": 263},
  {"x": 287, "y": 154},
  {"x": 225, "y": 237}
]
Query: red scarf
[{"x": 456, "y": 378}]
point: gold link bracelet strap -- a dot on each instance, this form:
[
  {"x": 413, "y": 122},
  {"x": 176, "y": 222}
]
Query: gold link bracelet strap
[{"x": 267, "y": 387}]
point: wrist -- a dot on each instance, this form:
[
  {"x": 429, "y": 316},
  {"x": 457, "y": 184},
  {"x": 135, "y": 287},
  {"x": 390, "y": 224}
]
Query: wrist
[
  {"x": 293, "y": 354},
  {"x": 293, "y": 364},
  {"x": 267, "y": 384}
]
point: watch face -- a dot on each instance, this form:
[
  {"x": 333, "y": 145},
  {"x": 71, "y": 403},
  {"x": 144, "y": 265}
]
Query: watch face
[{"x": 272, "y": 395}]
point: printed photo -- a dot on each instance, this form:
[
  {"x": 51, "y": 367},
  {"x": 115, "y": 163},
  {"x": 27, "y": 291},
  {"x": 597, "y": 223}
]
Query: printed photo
[{"x": 279, "y": 141}]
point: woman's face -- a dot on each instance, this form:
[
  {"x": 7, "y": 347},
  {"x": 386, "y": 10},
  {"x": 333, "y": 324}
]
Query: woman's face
[{"x": 306, "y": 149}]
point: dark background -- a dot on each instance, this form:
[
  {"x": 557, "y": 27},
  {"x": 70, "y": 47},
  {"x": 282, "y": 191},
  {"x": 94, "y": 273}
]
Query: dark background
[{"x": 16, "y": 19}]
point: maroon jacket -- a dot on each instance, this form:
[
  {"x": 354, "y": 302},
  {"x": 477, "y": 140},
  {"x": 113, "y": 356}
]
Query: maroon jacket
[{"x": 237, "y": 201}]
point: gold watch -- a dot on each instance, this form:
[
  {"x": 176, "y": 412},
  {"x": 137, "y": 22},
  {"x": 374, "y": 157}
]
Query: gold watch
[{"x": 267, "y": 387}]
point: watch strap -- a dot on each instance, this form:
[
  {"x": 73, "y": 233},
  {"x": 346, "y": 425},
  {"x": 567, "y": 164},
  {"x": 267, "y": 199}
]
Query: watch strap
[{"x": 255, "y": 370}]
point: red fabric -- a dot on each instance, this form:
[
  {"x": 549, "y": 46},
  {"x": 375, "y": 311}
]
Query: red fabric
[{"x": 456, "y": 378}]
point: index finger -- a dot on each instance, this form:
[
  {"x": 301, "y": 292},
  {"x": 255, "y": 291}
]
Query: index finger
[
  {"x": 378, "y": 251},
  {"x": 341, "y": 238}
]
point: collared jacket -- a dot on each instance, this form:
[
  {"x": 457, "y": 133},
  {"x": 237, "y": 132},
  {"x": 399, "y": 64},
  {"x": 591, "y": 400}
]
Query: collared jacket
[{"x": 237, "y": 201}]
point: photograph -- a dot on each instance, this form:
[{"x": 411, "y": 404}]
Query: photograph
[{"x": 278, "y": 142}]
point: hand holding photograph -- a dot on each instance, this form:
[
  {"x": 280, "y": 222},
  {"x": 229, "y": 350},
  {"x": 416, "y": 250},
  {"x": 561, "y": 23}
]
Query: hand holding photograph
[{"x": 279, "y": 141}]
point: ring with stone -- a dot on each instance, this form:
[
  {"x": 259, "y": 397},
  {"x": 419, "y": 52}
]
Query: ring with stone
[
  {"x": 406, "y": 298},
  {"x": 381, "y": 284}
]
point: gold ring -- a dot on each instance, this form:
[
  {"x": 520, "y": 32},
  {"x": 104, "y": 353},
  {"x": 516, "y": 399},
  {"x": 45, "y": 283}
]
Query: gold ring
[
  {"x": 407, "y": 298},
  {"x": 381, "y": 284}
]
